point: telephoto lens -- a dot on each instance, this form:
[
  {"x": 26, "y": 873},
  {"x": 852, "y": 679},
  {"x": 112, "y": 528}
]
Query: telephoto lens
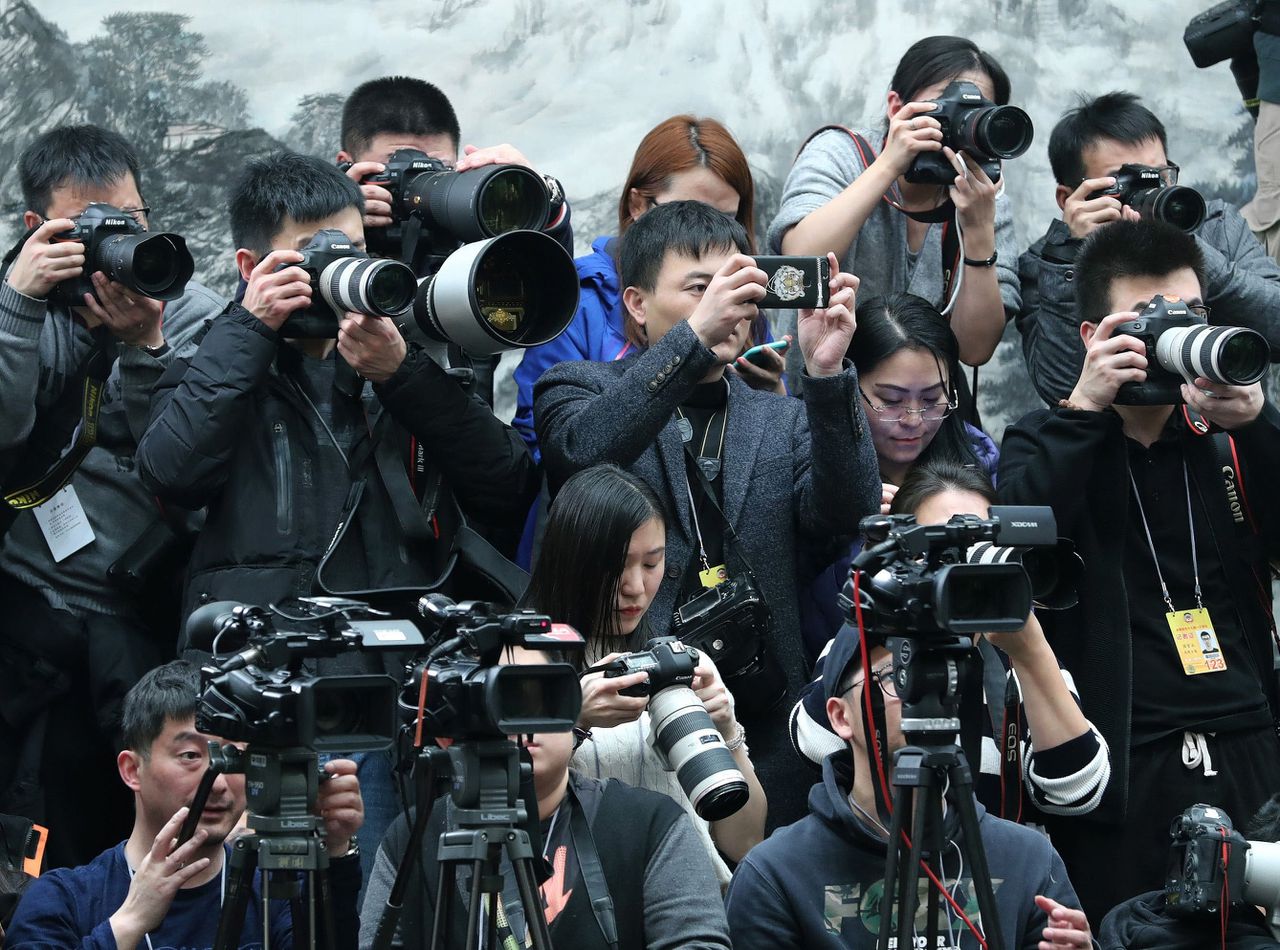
[
  {"x": 379, "y": 288},
  {"x": 1232, "y": 356},
  {"x": 693, "y": 748},
  {"x": 480, "y": 202}
]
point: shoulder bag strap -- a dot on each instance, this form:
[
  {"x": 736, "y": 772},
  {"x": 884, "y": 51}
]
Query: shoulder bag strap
[{"x": 584, "y": 846}]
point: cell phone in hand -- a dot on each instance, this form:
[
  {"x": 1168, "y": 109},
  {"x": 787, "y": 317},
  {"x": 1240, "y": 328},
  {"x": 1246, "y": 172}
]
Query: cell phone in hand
[
  {"x": 755, "y": 356},
  {"x": 795, "y": 283}
]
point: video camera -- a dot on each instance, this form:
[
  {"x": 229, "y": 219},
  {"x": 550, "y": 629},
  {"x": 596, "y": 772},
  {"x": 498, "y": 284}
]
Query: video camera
[
  {"x": 1181, "y": 346},
  {"x": 116, "y": 243},
  {"x": 512, "y": 286},
  {"x": 1212, "y": 867},
  {"x": 971, "y": 123},
  {"x": 919, "y": 580},
  {"x": 460, "y": 690}
]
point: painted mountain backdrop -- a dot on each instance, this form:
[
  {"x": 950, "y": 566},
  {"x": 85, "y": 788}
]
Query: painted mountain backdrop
[{"x": 200, "y": 85}]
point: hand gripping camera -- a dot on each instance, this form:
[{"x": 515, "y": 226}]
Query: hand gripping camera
[
  {"x": 154, "y": 265},
  {"x": 984, "y": 131},
  {"x": 681, "y": 729},
  {"x": 1181, "y": 346},
  {"x": 1147, "y": 190},
  {"x": 343, "y": 278}
]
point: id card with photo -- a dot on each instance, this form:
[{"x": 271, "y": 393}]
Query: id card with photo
[{"x": 1198, "y": 648}]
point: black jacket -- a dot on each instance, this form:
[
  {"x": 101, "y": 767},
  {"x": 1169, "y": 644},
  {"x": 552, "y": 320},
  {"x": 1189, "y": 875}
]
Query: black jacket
[
  {"x": 1077, "y": 462},
  {"x": 232, "y": 429}
]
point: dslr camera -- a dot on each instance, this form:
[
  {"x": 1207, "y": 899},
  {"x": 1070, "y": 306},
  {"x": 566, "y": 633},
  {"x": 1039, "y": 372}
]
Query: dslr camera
[
  {"x": 681, "y": 729},
  {"x": 1156, "y": 195},
  {"x": 1181, "y": 346},
  {"x": 343, "y": 278},
  {"x": 1212, "y": 867},
  {"x": 154, "y": 265},
  {"x": 984, "y": 131},
  {"x": 512, "y": 286}
]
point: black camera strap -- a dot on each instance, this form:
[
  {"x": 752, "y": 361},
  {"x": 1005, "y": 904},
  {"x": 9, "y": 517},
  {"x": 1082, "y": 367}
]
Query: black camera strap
[{"x": 584, "y": 847}]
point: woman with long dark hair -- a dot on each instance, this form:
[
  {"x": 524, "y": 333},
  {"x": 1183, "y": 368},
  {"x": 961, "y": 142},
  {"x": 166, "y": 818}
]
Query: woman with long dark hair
[
  {"x": 599, "y": 568},
  {"x": 952, "y": 243}
]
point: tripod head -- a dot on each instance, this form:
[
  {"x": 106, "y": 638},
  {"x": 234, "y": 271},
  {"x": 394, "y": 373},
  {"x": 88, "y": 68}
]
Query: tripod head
[{"x": 930, "y": 676}]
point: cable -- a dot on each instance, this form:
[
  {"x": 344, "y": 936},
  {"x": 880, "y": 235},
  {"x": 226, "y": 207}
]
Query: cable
[{"x": 959, "y": 269}]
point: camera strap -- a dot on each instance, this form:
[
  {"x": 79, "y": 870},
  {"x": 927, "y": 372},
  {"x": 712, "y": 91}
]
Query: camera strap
[{"x": 584, "y": 847}]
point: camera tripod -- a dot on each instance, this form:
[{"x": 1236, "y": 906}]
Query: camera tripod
[
  {"x": 282, "y": 788},
  {"x": 491, "y": 818},
  {"x": 929, "y": 678}
]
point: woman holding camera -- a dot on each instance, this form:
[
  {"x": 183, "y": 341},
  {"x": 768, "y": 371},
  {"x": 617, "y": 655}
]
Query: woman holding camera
[
  {"x": 681, "y": 158},
  {"x": 600, "y": 566},
  {"x": 952, "y": 244},
  {"x": 908, "y": 362},
  {"x": 1059, "y": 757}
]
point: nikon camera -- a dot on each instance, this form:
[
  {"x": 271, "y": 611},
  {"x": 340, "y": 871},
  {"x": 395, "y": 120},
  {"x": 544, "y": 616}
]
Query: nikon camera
[
  {"x": 1213, "y": 867},
  {"x": 1182, "y": 346},
  {"x": 971, "y": 123},
  {"x": 154, "y": 265},
  {"x": 682, "y": 730},
  {"x": 343, "y": 278},
  {"x": 1150, "y": 192}
]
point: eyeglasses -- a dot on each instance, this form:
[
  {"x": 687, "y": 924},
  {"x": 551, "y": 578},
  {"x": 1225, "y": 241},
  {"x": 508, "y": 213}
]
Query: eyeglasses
[
  {"x": 1169, "y": 173},
  {"x": 1200, "y": 310},
  {"x": 884, "y": 679},
  {"x": 138, "y": 214},
  {"x": 934, "y": 412}
]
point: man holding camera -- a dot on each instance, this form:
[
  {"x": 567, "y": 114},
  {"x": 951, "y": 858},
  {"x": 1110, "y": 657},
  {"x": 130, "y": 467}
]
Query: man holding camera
[
  {"x": 748, "y": 479},
  {"x": 83, "y": 572},
  {"x": 818, "y": 882},
  {"x": 1160, "y": 501},
  {"x": 156, "y": 890},
  {"x": 1108, "y": 154}
]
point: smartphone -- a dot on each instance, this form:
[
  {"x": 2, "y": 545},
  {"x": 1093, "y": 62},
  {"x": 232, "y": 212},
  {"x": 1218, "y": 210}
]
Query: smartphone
[
  {"x": 755, "y": 355},
  {"x": 795, "y": 283}
]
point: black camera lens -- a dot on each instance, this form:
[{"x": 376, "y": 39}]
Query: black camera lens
[
  {"x": 511, "y": 200},
  {"x": 157, "y": 265},
  {"x": 481, "y": 202},
  {"x": 1176, "y": 204},
  {"x": 1002, "y": 131}
]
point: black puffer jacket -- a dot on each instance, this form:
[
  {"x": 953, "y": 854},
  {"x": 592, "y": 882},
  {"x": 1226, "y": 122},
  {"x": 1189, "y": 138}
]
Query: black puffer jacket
[{"x": 232, "y": 429}]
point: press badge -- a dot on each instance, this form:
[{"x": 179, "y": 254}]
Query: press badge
[
  {"x": 64, "y": 524},
  {"x": 1196, "y": 640},
  {"x": 713, "y": 576}
]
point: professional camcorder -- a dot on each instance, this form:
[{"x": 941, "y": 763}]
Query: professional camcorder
[
  {"x": 681, "y": 729},
  {"x": 1155, "y": 194},
  {"x": 1181, "y": 346},
  {"x": 984, "y": 131},
  {"x": 343, "y": 278},
  {"x": 461, "y": 691},
  {"x": 511, "y": 287},
  {"x": 154, "y": 265},
  {"x": 918, "y": 580},
  {"x": 1212, "y": 867},
  {"x": 261, "y": 695}
]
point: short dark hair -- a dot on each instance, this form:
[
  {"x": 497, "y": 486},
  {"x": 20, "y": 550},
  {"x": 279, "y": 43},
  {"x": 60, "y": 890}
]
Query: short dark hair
[
  {"x": 584, "y": 548},
  {"x": 169, "y": 692},
  {"x": 286, "y": 184},
  {"x": 1129, "y": 249},
  {"x": 935, "y": 477},
  {"x": 936, "y": 58},
  {"x": 399, "y": 105},
  {"x": 1119, "y": 116},
  {"x": 86, "y": 155},
  {"x": 683, "y": 227}
]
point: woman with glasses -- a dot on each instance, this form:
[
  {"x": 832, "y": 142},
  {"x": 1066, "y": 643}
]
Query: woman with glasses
[
  {"x": 908, "y": 361},
  {"x": 1051, "y": 759}
]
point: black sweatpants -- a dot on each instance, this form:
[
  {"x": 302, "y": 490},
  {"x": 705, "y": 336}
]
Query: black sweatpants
[{"x": 1109, "y": 862}]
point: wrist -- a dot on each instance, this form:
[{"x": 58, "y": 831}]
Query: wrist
[
  {"x": 1080, "y": 402},
  {"x": 127, "y": 931},
  {"x": 31, "y": 293}
]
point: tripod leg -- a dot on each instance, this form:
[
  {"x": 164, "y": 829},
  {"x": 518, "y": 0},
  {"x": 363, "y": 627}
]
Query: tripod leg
[
  {"x": 491, "y": 925},
  {"x": 244, "y": 861},
  {"x": 324, "y": 901},
  {"x": 909, "y": 898},
  {"x": 976, "y": 856},
  {"x": 474, "y": 911},
  {"x": 531, "y": 901},
  {"x": 446, "y": 887},
  {"x": 893, "y": 866}
]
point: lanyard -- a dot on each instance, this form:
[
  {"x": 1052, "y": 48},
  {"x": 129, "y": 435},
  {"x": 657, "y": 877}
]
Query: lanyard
[
  {"x": 1195, "y": 564},
  {"x": 709, "y": 465},
  {"x": 222, "y": 899}
]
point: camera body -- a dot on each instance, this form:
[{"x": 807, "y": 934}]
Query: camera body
[
  {"x": 155, "y": 265},
  {"x": 1181, "y": 346},
  {"x": 344, "y": 278},
  {"x": 1213, "y": 868},
  {"x": 667, "y": 661},
  {"x": 1143, "y": 188},
  {"x": 971, "y": 123}
]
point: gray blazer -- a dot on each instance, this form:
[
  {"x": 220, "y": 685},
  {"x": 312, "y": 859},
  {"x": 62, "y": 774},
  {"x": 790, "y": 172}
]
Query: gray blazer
[{"x": 796, "y": 471}]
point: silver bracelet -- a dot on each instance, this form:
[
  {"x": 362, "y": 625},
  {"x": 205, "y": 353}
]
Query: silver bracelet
[{"x": 739, "y": 739}]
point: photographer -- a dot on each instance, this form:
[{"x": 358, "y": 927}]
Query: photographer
[
  {"x": 149, "y": 891},
  {"x": 1132, "y": 484},
  {"x": 85, "y": 577},
  {"x": 817, "y": 883},
  {"x": 601, "y": 563},
  {"x": 303, "y": 464},
  {"x": 773, "y": 475},
  {"x": 848, "y": 193},
  {"x": 655, "y": 871},
  {"x": 1089, "y": 145}
]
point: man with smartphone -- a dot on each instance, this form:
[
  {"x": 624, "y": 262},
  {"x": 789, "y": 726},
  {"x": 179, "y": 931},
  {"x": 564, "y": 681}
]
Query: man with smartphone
[{"x": 749, "y": 479}]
